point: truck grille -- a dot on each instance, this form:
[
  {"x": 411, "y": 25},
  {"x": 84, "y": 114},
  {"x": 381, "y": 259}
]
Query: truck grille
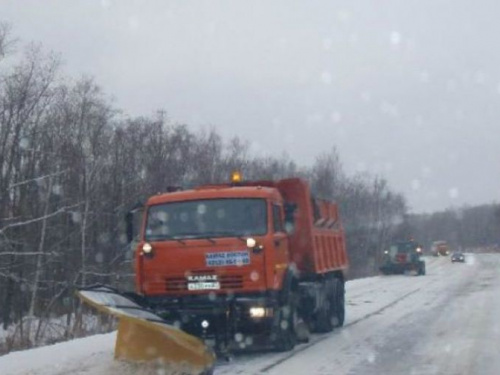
[
  {"x": 176, "y": 284},
  {"x": 231, "y": 281},
  {"x": 401, "y": 258},
  {"x": 227, "y": 282}
]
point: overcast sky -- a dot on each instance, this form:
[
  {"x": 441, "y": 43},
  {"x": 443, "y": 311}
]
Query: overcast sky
[{"x": 409, "y": 89}]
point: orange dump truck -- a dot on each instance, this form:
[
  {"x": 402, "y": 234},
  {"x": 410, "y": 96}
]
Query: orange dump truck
[
  {"x": 440, "y": 248},
  {"x": 243, "y": 264}
]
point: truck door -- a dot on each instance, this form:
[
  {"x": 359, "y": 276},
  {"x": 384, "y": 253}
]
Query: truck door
[{"x": 280, "y": 243}]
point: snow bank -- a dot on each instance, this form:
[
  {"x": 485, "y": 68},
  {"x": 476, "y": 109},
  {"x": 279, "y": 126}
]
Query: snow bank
[{"x": 58, "y": 358}]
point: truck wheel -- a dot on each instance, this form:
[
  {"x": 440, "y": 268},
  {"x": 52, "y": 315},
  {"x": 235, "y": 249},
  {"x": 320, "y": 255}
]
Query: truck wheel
[
  {"x": 421, "y": 269},
  {"x": 339, "y": 306},
  {"x": 285, "y": 325},
  {"x": 324, "y": 319}
]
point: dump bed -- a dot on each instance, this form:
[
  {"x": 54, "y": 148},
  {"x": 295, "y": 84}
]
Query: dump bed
[{"x": 318, "y": 243}]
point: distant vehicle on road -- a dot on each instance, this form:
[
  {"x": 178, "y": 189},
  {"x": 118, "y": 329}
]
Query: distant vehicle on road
[
  {"x": 402, "y": 257},
  {"x": 440, "y": 248},
  {"x": 458, "y": 257}
]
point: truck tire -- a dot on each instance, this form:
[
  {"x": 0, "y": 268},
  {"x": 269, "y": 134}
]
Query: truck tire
[
  {"x": 339, "y": 306},
  {"x": 324, "y": 320},
  {"x": 421, "y": 269},
  {"x": 286, "y": 338}
]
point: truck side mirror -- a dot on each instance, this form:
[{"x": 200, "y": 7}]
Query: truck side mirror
[
  {"x": 132, "y": 222},
  {"x": 290, "y": 209}
]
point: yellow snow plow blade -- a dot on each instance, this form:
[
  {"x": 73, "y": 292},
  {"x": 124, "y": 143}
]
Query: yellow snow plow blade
[{"x": 144, "y": 337}]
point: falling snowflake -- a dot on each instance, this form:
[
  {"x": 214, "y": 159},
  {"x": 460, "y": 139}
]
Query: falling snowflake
[{"x": 395, "y": 38}]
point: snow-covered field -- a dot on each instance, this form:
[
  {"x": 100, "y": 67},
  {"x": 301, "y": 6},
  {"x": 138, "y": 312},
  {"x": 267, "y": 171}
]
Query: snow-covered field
[
  {"x": 442, "y": 323},
  {"x": 48, "y": 331}
]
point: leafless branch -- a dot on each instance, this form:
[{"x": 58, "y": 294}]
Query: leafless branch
[
  {"x": 6, "y": 42},
  {"x": 23, "y": 253},
  {"x": 12, "y": 276},
  {"x": 36, "y": 179},
  {"x": 31, "y": 221},
  {"x": 100, "y": 274}
]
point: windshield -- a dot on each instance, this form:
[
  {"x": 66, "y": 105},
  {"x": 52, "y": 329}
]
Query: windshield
[
  {"x": 206, "y": 218},
  {"x": 404, "y": 247}
]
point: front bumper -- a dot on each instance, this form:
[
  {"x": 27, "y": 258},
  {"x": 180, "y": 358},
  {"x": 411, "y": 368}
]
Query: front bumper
[
  {"x": 222, "y": 318},
  {"x": 398, "y": 267}
]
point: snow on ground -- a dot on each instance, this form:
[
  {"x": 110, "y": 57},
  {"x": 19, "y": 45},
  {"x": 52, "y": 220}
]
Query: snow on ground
[
  {"x": 59, "y": 358},
  {"x": 47, "y": 331},
  {"x": 387, "y": 330}
]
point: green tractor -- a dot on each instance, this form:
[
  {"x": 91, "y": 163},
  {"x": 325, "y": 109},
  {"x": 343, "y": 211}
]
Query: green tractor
[{"x": 403, "y": 257}]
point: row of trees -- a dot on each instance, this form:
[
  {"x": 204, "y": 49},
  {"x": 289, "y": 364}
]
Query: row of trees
[
  {"x": 465, "y": 228},
  {"x": 71, "y": 165}
]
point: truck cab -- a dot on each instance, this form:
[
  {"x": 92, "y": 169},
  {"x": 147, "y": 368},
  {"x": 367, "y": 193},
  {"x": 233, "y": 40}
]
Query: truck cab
[{"x": 212, "y": 239}]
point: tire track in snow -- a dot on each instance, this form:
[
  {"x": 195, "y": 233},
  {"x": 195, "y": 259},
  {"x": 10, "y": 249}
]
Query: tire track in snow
[
  {"x": 326, "y": 336},
  {"x": 249, "y": 364},
  {"x": 434, "y": 265}
]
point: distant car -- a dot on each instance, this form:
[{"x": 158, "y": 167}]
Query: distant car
[{"x": 457, "y": 257}]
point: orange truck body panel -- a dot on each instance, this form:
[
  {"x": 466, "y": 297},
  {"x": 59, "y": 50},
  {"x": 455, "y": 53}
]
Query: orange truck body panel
[
  {"x": 316, "y": 247},
  {"x": 318, "y": 244}
]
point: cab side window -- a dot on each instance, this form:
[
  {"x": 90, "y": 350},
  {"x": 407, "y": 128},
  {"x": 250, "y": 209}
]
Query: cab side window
[{"x": 277, "y": 219}]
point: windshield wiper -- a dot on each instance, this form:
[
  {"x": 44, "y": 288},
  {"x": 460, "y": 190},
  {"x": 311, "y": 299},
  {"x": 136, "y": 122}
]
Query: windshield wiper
[
  {"x": 199, "y": 237},
  {"x": 210, "y": 239},
  {"x": 228, "y": 234},
  {"x": 165, "y": 238},
  {"x": 179, "y": 240},
  {"x": 205, "y": 236}
]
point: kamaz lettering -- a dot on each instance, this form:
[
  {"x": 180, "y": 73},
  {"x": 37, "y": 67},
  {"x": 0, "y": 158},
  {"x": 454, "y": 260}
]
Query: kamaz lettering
[{"x": 202, "y": 278}]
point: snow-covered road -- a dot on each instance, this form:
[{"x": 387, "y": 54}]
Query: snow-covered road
[
  {"x": 444, "y": 323},
  {"x": 447, "y": 322}
]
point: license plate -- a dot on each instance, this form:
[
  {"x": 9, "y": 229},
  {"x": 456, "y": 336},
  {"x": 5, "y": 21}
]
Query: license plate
[{"x": 204, "y": 286}]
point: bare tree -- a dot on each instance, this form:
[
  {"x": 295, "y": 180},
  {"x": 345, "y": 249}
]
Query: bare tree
[
  {"x": 25, "y": 93},
  {"x": 6, "y": 42},
  {"x": 327, "y": 175}
]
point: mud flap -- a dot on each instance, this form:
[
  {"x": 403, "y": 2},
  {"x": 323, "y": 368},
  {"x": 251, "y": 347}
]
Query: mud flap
[{"x": 145, "y": 337}]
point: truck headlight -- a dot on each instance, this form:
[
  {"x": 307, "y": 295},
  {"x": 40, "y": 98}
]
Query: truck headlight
[
  {"x": 251, "y": 243},
  {"x": 257, "y": 312},
  {"x": 147, "y": 248}
]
